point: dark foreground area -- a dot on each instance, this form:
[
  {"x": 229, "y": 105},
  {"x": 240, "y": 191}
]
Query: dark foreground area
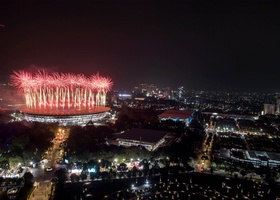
[{"x": 180, "y": 186}]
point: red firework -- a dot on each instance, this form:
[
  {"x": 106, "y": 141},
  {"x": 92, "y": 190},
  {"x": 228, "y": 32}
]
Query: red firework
[{"x": 59, "y": 90}]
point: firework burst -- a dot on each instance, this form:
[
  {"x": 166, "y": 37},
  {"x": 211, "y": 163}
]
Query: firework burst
[{"x": 62, "y": 91}]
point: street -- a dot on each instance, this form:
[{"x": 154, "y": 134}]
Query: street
[
  {"x": 203, "y": 161},
  {"x": 44, "y": 172}
]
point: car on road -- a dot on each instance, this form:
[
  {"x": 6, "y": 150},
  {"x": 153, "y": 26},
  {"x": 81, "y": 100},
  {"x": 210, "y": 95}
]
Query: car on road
[
  {"x": 48, "y": 169},
  {"x": 12, "y": 191}
]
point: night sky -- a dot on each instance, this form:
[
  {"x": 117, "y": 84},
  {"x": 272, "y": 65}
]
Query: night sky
[{"x": 201, "y": 45}]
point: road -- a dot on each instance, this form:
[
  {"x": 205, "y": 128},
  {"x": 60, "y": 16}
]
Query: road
[
  {"x": 41, "y": 176},
  {"x": 203, "y": 161}
]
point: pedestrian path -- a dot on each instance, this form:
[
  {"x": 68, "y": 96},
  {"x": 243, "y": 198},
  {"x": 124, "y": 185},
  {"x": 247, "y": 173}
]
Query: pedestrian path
[{"x": 42, "y": 191}]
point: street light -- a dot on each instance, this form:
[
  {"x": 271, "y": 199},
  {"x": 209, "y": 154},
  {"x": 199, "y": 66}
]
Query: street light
[{"x": 43, "y": 170}]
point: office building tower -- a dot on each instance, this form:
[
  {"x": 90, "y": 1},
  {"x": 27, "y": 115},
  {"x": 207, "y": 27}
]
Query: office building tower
[{"x": 269, "y": 109}]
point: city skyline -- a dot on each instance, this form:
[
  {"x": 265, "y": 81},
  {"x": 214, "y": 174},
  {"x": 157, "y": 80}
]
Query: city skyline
[{"x": 218, "y": 46}]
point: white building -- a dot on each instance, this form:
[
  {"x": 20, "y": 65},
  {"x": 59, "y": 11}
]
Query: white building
[{"x": 150, "y": 139}]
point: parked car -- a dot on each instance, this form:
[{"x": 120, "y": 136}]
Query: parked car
[{"x": 48, "y": 169}]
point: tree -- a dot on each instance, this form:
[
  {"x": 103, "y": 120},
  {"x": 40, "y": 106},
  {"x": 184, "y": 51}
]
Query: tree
[
  {"x": 92, "y": 175},
  {"x": 28, "y": 176},
  {"x": 15, "y": 160},
  {"x": 134, "y": 171},
  {"x": 61, "y": 175},
  {"x": 122, "y": 167},
  {"x": 189, "y": 168},
  {"x": 54, "y": 180},
  {"x": 145, "y": 165},
  {"x": 105, "y": 163},
  {"x": 243, "y": 172},
  {"x": 92, "y": 164},
  {"x": 83, "y": 176},
  {"x": 74, "y": 177},
  {"x": 27, "y": 156},
  {"x": 104, "y": 175},
  {"x": 20, "y": 142},
  {"x": 230, "y": 169},
  {"x": 213, "y": 165}
]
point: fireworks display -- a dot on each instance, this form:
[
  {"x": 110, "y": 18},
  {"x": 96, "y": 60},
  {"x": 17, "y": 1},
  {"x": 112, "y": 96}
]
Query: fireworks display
[{"x": 62, "y": 91}]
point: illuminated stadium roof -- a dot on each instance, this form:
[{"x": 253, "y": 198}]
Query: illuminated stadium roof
[
  {"x": 66, "y": 118},
  {"x": 66, "y": 112},
  {"x": 177, "y": 114}
]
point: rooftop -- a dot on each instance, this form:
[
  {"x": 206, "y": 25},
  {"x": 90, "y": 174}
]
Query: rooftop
[
  {"x": 145, "y": 135},
  {"x": 183, "y": 114},
  {"x": 64, "y": 112}
]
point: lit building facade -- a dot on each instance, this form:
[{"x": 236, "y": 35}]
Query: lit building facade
[
  {"x": 269, "y": 109},
  {"x": 66, "y": 120},
  {"x": 278, "y": 106}
]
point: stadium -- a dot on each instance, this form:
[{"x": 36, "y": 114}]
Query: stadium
[{"x": 68, "y": 99}]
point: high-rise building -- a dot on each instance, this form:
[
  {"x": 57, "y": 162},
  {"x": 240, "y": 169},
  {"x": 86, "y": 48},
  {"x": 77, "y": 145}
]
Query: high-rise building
[
  {"x": 143, "y": 88},
  {"x": 269, "y": 109},
  {"x": 181, "y": 93},
  {"x": 167, "y": 93},
  {"x": 278, "y": 106},
  {"x": 146, "y": 90},
  {"x": 151, "y": 90}
]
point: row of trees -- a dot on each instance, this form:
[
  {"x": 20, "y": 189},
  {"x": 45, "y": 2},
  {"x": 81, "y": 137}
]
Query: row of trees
[
  {"x": 115, "y": 170},
  {"x": 245, "y": 168},
  {"x": 84, "y": 147},
  {"x": 23, "y": 142}
]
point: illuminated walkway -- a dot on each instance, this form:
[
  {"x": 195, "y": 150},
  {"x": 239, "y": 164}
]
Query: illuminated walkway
[
  {"x": 41, "y": 192},
  {"x": 43, "y": 187}
]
